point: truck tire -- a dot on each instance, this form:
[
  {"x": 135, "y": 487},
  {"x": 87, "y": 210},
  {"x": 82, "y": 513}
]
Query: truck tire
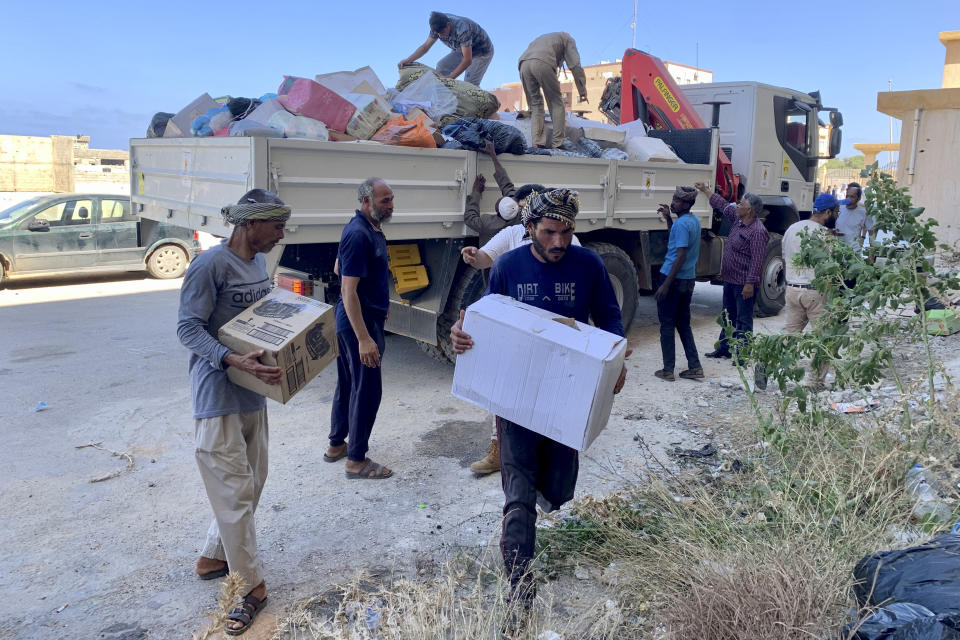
[
  {"x": 623, "y": 277},
  {"x": 773, "y": 280},
  {"x": 2, "y": 272},
  {"x": 167, "y": 261},
  {"x": 467, "y": 289}
]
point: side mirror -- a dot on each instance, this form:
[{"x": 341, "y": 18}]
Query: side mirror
[
  {"x": 835, "y": 141},
  {"x": 38, "y": 225},
  {"x": 836, "y": 119}
]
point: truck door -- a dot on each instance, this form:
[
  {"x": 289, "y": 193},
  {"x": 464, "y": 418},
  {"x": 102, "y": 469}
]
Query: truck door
[
  {"x": 795, "y": 123},
  {"x": 69, "y": 244},
  {"x": 117, "y": 238}
]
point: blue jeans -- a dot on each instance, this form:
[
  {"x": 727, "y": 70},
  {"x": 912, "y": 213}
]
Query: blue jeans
[
  {"x": 357, "y": 398},
  {"x": 674, "y": 314},
  {"x": 739, "y": 313},
  {"x": 473, "y": 74}
]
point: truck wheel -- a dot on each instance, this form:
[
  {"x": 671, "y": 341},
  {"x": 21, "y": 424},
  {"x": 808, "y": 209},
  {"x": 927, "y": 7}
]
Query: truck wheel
[
  {"x": 2, "y": 273},
  {"x": 623, "y": 277},
  {"x": 466, "y": 290},
  {"x": 167, "y": 261},
  {"x": 773, "y": 280}
]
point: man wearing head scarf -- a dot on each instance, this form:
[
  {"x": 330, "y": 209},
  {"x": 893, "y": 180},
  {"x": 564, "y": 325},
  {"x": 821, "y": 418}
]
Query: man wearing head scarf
[
  {"x": 676, "y": 280},
  {"x": 230, "y": 427},
  {"x": 743, "y": 255},
  {"x": 570, "y": 281}
]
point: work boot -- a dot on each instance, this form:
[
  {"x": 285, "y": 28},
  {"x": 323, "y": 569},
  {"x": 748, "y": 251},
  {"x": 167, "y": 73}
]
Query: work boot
[{"x": 490, "y": 463}]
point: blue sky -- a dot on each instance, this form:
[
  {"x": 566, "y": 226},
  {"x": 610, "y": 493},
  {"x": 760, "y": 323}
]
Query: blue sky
[{"x": 103, "y": 68}]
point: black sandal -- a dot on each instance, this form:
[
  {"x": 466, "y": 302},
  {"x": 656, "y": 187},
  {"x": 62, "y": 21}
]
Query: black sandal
[{"x": 244, "y": 614}]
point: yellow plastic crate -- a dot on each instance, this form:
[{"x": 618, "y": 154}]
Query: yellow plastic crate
[
  {"x": 403, "y": 255},
  {"x": 411, "y": 278}
]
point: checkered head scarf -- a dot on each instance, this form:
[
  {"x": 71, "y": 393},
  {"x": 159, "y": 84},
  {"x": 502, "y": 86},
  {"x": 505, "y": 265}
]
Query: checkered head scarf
[
  {"x": 561, "y": 204},
  {"x": 686, "y": 194}
]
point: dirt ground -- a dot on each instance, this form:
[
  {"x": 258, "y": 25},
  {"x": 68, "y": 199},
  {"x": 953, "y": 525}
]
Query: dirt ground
[{"x": 114, "y": 559}]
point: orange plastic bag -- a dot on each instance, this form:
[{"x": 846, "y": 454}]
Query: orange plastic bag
[{"x": 406, "y": 133}]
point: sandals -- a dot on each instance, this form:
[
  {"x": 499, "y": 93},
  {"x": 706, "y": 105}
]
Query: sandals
[
  {"x": 339, "y": 456},
  {"x": 370, "y": 471},
  {"x": 216, "y": 573},
  {"x": 244, "y": 614},
  {"x": 692, "y": 374},
  {"x": 665, "y": 374}
]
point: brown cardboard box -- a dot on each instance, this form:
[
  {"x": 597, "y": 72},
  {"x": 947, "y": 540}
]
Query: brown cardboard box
[
  {"x": 416, "y": 112},
  {"x": 339, "y": 136},
  {"x": 296, "y": 334}
]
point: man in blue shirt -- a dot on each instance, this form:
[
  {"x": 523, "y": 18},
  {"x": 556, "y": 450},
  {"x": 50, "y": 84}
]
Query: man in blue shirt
[
  {"x": 675, "y": 284},
  {"x": 471, "y": 47},
  {"x": 571, "y": 281},
  {"x": 360, "y": 315}
]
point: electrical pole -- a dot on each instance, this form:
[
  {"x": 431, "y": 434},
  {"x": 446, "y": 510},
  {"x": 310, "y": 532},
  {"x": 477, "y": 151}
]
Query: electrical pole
[
  {"x": 634, "y": 25},
  {"x": 890, "y": 88}
]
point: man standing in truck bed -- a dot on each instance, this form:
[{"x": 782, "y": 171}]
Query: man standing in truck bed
[
  {"x": 472, "y": 50},
  {"x": 539, "y": 66}
]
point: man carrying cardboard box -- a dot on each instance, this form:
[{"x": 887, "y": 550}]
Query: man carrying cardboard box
[
  {"x": 566, "y": 280},
  {"x": 231, "y": 422},
  {"x": 362, "y": 310}
]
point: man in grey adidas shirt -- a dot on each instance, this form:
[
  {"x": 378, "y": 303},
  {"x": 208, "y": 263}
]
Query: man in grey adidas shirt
[{"x": 230, "y": 421}]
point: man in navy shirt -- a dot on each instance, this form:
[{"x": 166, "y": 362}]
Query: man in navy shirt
[
  {"x": 676, "y": 280},
  {"x": 360, "y": 315},
  {"x": 570, "y": 281}
]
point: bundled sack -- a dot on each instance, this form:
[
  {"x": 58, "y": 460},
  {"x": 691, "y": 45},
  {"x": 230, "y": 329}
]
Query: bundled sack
[
  {"x": 251, "y": 129},
  {"x": 473, "y": 132},
  {"x": 428, "y": 93},
  {"x": 363, "y": 80},
  {"x": 644, "y": 149},
  {"x": 242, "y": 107},
  {"x": 294, "y": 126},
  {"x": 211, "y": 122},
  {"x": 472, "y": 101},
  {"x": 304, "y": 97},
  {"x": 406, "y": 133},
  {"x": 158, "y": 124},
  {"x": 265, "y": 111},
  {"x": 919, "y": 588},
  {"x": 372, "y": 113}
]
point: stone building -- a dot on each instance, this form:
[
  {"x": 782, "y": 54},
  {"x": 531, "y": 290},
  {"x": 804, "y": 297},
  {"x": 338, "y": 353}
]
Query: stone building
[{"x": 33, "y": 164}]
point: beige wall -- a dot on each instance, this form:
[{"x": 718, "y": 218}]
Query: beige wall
[{"x": 59, "y": 164}]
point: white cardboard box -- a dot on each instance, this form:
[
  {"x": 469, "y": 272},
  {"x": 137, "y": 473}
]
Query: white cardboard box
[
  {"x": 540, "y": 373},
  {"x": 297, "y": 334}
]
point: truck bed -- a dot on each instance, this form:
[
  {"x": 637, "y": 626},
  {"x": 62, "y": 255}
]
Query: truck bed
[{"x": 185, "y": 181}]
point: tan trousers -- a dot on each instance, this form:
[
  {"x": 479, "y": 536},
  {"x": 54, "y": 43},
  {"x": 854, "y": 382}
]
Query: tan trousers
[
  {"x": 231, "y": 453},
  {"x": 536, "y": 75},
  {"x": 803, "y": 307}
]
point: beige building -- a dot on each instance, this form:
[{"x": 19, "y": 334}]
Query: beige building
[
  {"x": 33, "y": 164},
  {"x": 929, "y": 140},
  {"x": 511, "y": 95}
]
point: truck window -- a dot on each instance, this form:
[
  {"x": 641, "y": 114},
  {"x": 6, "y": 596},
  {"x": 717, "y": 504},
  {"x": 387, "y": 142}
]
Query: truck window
[{"x": 792, "y": 123}]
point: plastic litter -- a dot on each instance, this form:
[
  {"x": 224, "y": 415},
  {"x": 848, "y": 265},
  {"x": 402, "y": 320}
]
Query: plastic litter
[
  {"x": 919, "y": 587},
  {"x": 859, "y": 406},
  {"x": 40, "y": 406},
  {"x": 928, "y": 505},
  {"x": 372, "y": 618}
]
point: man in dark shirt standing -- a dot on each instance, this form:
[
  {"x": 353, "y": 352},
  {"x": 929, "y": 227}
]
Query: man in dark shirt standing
[
  {"x": 360, "y": 315},
  {"x": 471, "y": 47},
  {"x": 566, "y": 280},
  {"x": 742, "y": 263}
]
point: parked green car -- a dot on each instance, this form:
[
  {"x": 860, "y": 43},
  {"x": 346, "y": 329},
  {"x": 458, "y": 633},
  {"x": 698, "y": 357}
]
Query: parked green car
[{"x": 74, "y": 233}]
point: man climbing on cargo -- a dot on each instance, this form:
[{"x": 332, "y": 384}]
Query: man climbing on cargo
[
  {"x": 230, "y": 429},
  {"x": 536, "y": 469},
  {"x": 743, "y": 254},
  {"x": 471, "y": 47},
  {"x": 360, "y": 315},
  {"x": 539, "y": 66},
  {"x": 675, "y": 283}
]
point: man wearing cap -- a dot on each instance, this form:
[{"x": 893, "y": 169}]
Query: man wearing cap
[
  {"x": 743, "y": 254},
  {"x": 360, "y": 315},
  {"x": 471, "y": 47},
  {"x": 569, "y": 281},
  {"x": 676, "y": 280},
  {"x": 853, "y": 223},
  {"x": 230, "y": 429},
  {"x": 539, "y": 67},
  {"x": 804, "y": 303}
]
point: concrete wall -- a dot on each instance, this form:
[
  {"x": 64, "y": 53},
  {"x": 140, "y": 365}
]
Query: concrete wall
[
  {"x": 934, "y": 183},
  {"x": 60, "y": 164}
]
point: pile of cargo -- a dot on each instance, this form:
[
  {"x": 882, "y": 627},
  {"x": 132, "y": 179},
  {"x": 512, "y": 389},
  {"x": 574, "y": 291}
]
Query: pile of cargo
[{"x": 422, "y": 110}]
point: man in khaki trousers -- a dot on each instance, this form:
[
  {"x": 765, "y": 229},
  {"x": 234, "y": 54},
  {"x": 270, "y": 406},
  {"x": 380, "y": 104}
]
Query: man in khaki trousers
[
  {"x": 231, "y": 422},
  {"x": 804, "y": 304},
  {"x": 539, "y": 66}
]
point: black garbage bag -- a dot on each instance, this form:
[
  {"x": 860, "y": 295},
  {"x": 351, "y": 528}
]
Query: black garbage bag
[
  {"x": 158, "y": 124},
  {"x": 242, "y": 107},
  {"x": 927, "y": 574},
  {"x": 473, "y": 132},
  {"x": 919, "y": 588},
  {"x": 904, "y": 621}
]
